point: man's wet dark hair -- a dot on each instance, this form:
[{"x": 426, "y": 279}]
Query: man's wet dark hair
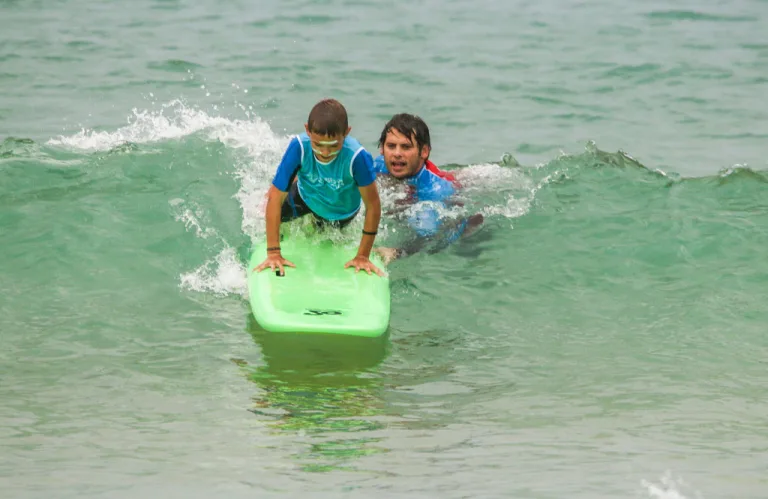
[
  {"x": 409, "y": 125},
  {"x": 328, "y": 117}
]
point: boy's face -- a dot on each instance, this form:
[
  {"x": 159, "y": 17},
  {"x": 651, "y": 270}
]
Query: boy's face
[
  {"x": 326, "y": 147},
  {"x": 402, "y": 155}
]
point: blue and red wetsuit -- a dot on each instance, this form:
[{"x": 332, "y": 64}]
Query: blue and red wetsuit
[
  {"x": 429, "y": 184},
  {"x": 434, "y": 186}
]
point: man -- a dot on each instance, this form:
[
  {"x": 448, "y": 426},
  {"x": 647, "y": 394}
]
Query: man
[{"x": 405, "y": 146}]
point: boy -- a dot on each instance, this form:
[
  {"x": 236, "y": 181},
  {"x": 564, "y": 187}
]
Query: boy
[{"x": 324, "y": 173}]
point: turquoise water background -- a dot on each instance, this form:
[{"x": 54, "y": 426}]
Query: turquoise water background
[{"x": 603, "y": 334}]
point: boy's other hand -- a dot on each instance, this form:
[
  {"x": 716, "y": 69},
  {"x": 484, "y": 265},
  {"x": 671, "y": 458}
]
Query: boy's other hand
[{"x": 364, "y": 263}]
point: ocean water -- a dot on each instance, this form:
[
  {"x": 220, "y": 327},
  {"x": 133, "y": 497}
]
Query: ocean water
[{"x": 604, "y": 335}]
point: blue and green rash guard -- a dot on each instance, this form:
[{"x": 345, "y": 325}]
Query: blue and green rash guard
[{"x": 330, "y": 190}]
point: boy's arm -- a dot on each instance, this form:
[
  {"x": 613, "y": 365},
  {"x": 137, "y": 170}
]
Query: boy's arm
[
  {"x": 275, "y": 199},
  {"x": 370, "y": 195},
  {"x": 276, "y": 195},
  {"x": 365, "y": 178},
  {"x": 274, "y": 260}
]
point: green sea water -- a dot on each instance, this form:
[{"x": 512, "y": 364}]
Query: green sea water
[{"x": 604, "y": 335}]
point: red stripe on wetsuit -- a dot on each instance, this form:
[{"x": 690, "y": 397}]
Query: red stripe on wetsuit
[{"x": 440, "y": 173}]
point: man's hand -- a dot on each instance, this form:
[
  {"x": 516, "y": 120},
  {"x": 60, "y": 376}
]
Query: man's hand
[
  {"x": 363, "y": 263},
  {"x": 387, "y": 254}
]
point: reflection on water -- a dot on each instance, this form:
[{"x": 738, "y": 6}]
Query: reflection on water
[{"x": 324, "y": 387}]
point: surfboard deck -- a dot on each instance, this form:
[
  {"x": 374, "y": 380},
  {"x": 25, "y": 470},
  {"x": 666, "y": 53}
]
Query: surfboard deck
[{"x": 319, "y": 295}]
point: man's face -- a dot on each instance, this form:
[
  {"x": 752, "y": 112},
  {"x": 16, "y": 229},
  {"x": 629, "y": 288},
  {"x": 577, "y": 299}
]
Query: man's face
[{"x": 402, "y": 156}]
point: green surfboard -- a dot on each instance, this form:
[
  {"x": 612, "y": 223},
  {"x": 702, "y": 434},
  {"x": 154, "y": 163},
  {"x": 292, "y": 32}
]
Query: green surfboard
[{"x": 319, "y": 295}]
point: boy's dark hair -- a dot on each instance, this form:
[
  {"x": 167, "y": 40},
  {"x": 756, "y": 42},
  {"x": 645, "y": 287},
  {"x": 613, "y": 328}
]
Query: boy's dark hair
[
  {"x": 409, "y": 125},
  {"x": 328, "y": 117}
]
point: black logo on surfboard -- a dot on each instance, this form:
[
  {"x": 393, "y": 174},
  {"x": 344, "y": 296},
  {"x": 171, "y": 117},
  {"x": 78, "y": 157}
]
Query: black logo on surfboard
[{"x": 314, "y": 311}]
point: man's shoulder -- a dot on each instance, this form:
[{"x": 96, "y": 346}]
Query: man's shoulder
[
  {"x": 442, "y": 174},
  {"x": 434, "y": 184},
  {"x": 352, "y": 144},
  {"x": 437, "y": 178},
  {"x": 379, "y": 166}
]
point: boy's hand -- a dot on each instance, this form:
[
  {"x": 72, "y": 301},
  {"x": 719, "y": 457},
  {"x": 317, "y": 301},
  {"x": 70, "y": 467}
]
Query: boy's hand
[
  {"x": 274, "y": 261},
  {"x": 363, "y": 263}
]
